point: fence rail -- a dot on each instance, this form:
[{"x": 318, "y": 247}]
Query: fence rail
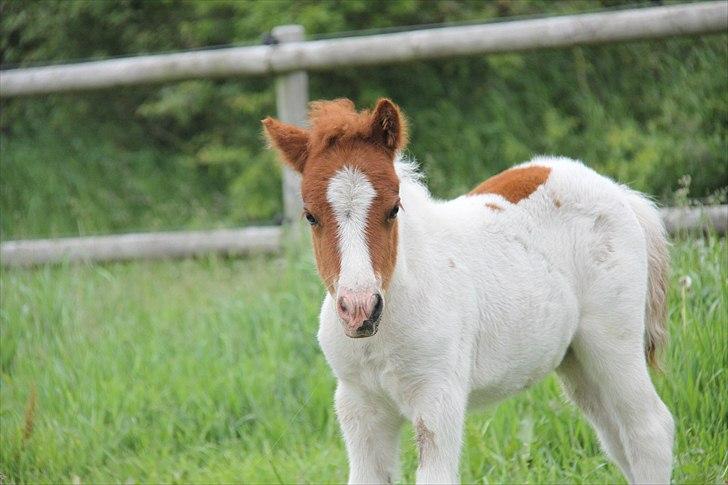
[
  {"x": 518, "y": 35},
  {"x": 160, "y": 245},
  {"x": 167, "y": 245},
  {"x": 711, "y": 217}
]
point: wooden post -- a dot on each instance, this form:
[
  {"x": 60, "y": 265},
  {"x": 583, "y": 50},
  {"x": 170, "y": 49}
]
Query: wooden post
[{"x": 292, "y": 102}]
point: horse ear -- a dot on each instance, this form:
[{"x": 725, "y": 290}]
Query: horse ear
[
  {"x": 291, "y": 142},
  {"x": 389, "y": 126}
]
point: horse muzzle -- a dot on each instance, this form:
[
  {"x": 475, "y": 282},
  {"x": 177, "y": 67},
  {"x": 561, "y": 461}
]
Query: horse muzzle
[{"x": 359, "y": 311}]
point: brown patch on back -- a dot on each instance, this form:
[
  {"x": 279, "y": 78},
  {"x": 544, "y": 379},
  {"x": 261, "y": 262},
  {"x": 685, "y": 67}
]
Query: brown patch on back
[{"x": 514, "y": 184}]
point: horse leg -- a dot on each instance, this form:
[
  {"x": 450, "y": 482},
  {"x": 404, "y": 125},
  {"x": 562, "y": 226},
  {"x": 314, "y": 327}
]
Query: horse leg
[
  {"x": 610, "y": 352},
  {"x": 438, "y": 419},
  {"x": 371, "y": 428},
  {"x": 586, "y": 394}
]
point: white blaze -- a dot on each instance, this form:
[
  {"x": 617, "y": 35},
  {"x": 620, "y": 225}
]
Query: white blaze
[{"x": 350, "y": 195}]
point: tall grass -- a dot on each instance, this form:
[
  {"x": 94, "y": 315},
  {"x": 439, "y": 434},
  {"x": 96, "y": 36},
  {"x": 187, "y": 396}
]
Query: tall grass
[{"x": 208, "y": 371}]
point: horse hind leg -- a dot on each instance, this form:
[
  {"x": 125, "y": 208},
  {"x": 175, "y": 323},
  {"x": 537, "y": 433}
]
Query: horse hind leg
[
  {"x": 610, "y": 355},
  {"x": 587, "y": 396}
]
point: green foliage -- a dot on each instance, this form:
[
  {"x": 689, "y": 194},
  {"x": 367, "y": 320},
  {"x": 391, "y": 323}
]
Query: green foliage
[
  {"x": 645, "y": 113},
  {"x": 208, "y": 371}
]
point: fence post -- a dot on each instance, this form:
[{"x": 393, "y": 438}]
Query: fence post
[{"x": 291, "y": 102}]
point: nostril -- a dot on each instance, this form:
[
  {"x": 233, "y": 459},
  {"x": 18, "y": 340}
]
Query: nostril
[
  {"x": 343, "y": 308},
  {"x": 377, "y": 310}
]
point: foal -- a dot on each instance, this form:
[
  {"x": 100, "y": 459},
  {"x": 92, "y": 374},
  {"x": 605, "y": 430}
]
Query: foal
[{"x": 434, "y": 306}]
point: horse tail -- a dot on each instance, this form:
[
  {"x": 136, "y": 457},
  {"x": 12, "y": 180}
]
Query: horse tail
[{"x": 658, "y": 262}]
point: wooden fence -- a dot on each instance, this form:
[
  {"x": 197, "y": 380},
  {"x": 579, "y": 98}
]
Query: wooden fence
[
  {"x": 292, "y": 54},
  {"x": 290, "y": 57}
]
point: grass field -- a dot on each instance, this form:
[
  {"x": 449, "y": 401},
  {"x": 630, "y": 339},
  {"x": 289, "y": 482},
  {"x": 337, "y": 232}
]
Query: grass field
[{"x": 209, "y": 371}]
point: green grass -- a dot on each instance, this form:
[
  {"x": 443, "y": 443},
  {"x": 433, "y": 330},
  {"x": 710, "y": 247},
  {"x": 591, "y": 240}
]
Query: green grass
[{"x": 209, "y": 371}]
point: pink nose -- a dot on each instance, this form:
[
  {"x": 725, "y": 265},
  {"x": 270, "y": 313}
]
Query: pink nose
[{"x": 360, "y": 312}]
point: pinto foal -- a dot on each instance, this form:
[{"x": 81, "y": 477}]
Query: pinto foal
[{"x": 546, "y": 266}]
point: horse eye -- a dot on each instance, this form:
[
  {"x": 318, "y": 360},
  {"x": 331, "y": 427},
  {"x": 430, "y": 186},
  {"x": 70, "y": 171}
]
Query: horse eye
[
  {"x": 311, "y": 219},
  {"x": 393, "y": 213}
]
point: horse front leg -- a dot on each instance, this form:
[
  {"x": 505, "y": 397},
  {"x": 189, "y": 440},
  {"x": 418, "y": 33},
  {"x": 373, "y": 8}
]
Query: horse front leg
[
  {"x": 371, "y": 429},
  {"x": 438, "y": 420}
]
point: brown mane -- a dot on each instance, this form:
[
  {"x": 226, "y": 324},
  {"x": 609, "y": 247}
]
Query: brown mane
[{"x": 338, "y": 121}]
